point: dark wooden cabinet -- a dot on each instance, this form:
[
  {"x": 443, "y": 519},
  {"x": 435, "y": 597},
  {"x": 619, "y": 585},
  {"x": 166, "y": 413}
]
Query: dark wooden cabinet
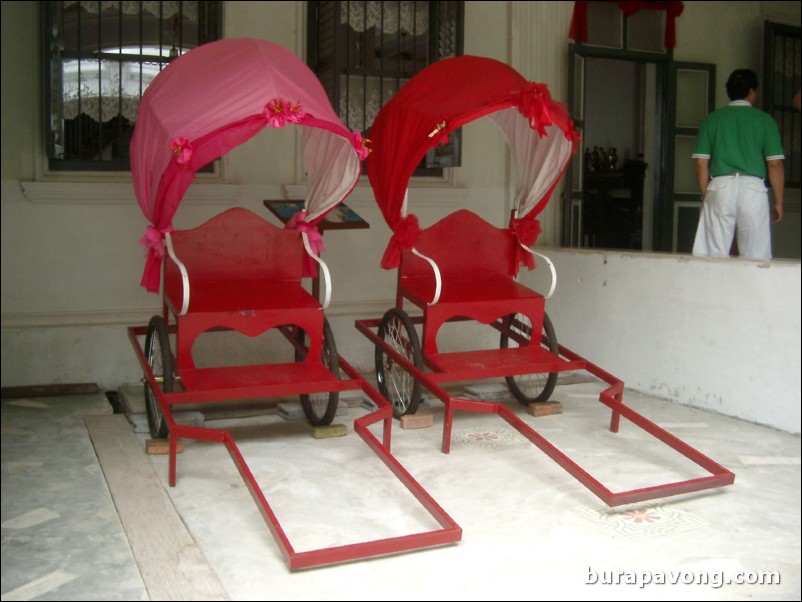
[{"x": 612, "y": 209}]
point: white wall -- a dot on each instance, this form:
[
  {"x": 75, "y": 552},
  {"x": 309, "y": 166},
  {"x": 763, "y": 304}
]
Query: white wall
[
  {"x": 71, "y": 265},
  {"x": 717, "y": 334}
]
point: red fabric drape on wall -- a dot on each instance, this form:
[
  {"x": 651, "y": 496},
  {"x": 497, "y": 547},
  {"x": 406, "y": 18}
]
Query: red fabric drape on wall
[{"x": 579, "y": 21}]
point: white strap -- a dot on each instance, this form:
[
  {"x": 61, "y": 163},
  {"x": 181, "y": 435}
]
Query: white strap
[
  {"x": 438, "y": 282},
  {"x": 551, "y": 267},
  {"x": 182, "y": 268},
  {"x": 324, "y": 268}
]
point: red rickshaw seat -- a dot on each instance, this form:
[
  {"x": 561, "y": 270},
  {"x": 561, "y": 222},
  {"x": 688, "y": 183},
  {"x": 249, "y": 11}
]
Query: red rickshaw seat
[
  {"x": 243, "y": 273},
  {"x": 476, "y": 261}
]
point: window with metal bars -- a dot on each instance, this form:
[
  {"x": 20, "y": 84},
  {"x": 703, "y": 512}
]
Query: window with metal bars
[
  {"x": 363, "y": 52},
  {"x": 99, "y": 59},
  {"x": 781, "y": 72}
]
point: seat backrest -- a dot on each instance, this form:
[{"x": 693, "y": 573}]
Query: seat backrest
[
  {"x": 463, "y": 245},
  {"x": 237, "y": 244}
]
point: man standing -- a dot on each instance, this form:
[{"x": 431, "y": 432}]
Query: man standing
[{"x": 734, "y": 147}]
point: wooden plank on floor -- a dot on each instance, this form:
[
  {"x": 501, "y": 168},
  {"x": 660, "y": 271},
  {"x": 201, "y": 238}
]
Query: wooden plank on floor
[
  {"x": 171, "y": 563},
  {"x": 49, "y": 390}
]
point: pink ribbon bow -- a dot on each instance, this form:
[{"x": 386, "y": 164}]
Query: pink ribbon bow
[
  {"x": 280, "y": 112},
  {"x": 153, "y": 240},
  {"x": 182, "y": 148},
  {"x": 298, "y": 222},
  {"x": 361, "y": 145}
]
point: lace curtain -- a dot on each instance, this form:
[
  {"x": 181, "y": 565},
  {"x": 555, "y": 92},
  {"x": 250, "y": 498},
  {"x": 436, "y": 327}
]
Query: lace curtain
[
  {"x": 160, "y": 10},
  {"x": 412, "y": 17},
  {"x": 365, "y": 97},
  {"x": 105, "y": 89}
]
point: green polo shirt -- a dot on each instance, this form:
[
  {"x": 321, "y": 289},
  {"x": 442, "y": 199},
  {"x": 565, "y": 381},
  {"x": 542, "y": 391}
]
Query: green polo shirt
[{"x": 738, "y": 138}]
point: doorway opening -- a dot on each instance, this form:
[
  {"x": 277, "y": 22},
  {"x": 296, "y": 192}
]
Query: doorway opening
[
  {"x": 621, "y": 97},
  {"x": 649, "y": 109},
  {"x": 621, "y": 159}
]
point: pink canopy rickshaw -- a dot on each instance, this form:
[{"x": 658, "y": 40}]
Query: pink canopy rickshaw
[
  {"x": 238, "y": 272},
  {"x": 216, "y": 97}
]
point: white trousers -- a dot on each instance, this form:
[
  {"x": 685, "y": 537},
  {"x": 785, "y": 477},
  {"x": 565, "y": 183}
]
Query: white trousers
[{"x": 735, "y": 203}]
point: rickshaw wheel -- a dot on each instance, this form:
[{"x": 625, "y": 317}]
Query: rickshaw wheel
[
  {"x": 530, "y": 388},
  {"x": 160, "y": 361},
  {"x": 396, "y": 384},
  {"x": 320, "y": 408}
]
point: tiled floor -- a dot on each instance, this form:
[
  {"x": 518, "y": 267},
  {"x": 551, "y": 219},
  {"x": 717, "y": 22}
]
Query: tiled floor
[{"x": 530, "y": 530}]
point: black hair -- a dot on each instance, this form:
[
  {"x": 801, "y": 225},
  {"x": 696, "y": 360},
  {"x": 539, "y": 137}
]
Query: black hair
[{"x": 740, "y": 82}]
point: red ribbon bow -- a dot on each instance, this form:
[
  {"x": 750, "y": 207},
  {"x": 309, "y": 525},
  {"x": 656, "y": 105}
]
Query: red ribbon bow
[
  {"x": 404, "y": 238},
  {"x": 535, "y": 106},
  {"x": 526, "y": 233}
]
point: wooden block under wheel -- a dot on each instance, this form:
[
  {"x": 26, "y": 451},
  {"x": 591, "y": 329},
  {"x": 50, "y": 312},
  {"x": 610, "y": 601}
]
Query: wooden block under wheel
[
  {"x": 155, "y": 447},
  {"x": 417, "y": 421},
  {"x": 545, "y": 408},
  {"x": 332, "y": 430}
]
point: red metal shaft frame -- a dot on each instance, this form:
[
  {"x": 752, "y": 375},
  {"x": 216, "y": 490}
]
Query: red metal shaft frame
[
  {"x": 612, "y": 397},
  {"x": 449, "y": 532}
]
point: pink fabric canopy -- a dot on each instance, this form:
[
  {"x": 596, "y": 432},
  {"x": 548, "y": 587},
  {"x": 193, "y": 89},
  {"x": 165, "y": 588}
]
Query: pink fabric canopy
[
  {"x": 446, "y": 96},
  {"x": 216, "y": 97}
]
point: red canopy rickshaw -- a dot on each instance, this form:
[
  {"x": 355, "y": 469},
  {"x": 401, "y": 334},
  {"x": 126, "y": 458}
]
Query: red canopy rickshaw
[{"x": 464, "y": 268}]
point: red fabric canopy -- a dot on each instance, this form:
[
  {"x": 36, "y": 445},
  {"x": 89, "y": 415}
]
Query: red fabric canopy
[{"x": 446, "y": 96}]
